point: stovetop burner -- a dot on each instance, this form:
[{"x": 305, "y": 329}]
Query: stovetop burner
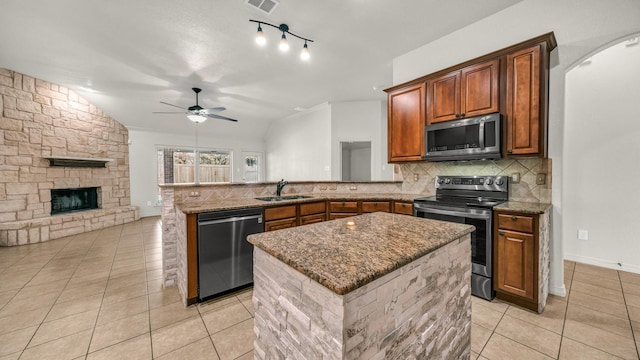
[{"x": 469, "y": 191}]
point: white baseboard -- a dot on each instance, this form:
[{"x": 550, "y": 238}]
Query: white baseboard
[
  {"x": 558, "y": 290},
  {"x": 603, "y": 263}
]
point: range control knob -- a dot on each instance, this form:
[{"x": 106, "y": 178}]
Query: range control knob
[
  {"x": 489, "y": 181},
  {"x": 499, "y": 181},
  {"x": 440, "y": 180},
  {"x": 448, "y": 181}
]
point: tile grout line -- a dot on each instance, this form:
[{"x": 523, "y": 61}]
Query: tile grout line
[
  {"x": 588, "y": 345},
  {"x": 93, "y": 331},
  {"x": 633, "y": 333},
  {"x": 57, "y": 297}
]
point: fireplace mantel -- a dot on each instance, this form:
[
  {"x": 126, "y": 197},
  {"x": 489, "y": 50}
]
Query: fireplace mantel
[{"x": 72, "y": 161}]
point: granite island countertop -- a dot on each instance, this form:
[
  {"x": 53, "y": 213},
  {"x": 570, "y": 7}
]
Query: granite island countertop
[
  {"x": 242, "y": 203},
  {"x": 345, "y": 254}
]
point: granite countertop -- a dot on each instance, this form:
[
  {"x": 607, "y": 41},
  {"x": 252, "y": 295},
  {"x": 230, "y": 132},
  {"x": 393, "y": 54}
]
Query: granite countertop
[
  {"x": 345, "y": 254},
  {"x": 242, "y": 203},
  {"x": 523, "y": 207}
]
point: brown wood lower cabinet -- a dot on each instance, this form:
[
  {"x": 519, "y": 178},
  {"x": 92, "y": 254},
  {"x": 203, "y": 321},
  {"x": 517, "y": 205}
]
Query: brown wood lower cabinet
[
  {"x": 280, "y": 224},
  {"x": 400, "y": 207},
  {"x": 280, "y": 217},
  {"x": 516, "y": 258},
  {"x": 314, "y": 212},
  {"x": 342, "y": 209},
  {"x": 373, "y": 206}
]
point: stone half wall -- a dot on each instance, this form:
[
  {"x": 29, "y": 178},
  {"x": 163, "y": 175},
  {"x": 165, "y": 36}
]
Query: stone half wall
[
  {"x": 39, "y": 119},
  {"x": 420, "y": 311},
  {"x": 173, "y": 239},
  {"x": 525, "y": 191}
]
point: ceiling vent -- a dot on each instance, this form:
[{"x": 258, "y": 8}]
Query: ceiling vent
[{"x": 265, "y": 6}]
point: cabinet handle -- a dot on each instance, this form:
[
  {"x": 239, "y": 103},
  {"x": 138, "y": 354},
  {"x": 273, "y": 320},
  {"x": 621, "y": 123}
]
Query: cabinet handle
[
  {"x": 509, "y": 151},
  {"x": 514, "y": 218},
  {"x": 501, "y": 233},
  {"x": 462, "y": 115}
]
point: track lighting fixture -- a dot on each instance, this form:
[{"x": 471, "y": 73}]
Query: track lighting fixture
[{"x": 284, "y": 43}]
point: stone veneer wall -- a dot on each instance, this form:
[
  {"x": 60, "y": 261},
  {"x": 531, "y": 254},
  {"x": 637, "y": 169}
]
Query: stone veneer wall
[
  {"x": 420, "y": 311},
  {"x": 544, "y": 259},
  {"x": 181, "y": 194},
  {"x": 526, "y": 190},
  {"x": 39, "y": 118}
]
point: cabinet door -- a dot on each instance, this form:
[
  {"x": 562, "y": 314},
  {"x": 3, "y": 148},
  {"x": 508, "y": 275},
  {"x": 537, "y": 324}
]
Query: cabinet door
[
  {"x": 523, "y": 102},
  {"x": 479, "y": 89},
  {"x": 406, "y": 119},
  {"x": 515, "y": 263},
  {"x": 444, "y": 98},
  {"x": 312, "y": 219},
  {"x": 279, "y": 224}
]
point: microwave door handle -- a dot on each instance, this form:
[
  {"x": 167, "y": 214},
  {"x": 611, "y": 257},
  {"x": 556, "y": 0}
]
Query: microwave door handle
[{"x": 481, "y": 134}]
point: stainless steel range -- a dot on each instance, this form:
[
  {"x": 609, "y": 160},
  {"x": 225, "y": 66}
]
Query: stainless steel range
[{"x": 469, "y": 200}]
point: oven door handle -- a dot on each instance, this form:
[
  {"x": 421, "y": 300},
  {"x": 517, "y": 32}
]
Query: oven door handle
[{"x": 486, "y": 214}]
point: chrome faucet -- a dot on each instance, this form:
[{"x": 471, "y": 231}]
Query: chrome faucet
[{"x": 281, "y": 184}]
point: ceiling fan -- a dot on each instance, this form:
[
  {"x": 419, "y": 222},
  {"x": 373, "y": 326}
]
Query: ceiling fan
[{"x": 197, "y": 113}]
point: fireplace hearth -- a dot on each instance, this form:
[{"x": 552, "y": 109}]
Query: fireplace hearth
[{"x": 72, "y": 200}]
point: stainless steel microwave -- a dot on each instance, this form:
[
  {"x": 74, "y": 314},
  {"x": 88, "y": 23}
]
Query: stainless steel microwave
[{"x": 467, "y": 139}]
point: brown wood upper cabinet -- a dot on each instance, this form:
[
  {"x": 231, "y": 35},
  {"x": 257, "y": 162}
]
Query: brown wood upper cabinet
[
  {"x": 525, "y": 102},
  {"x": 406, "y": 120},
  {"x": 468, "y": 92}
]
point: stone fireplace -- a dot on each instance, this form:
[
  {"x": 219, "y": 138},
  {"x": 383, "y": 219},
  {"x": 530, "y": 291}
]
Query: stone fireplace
[
  {"x": 53, "y": 141},
  {"x": 72, "y": 200}
]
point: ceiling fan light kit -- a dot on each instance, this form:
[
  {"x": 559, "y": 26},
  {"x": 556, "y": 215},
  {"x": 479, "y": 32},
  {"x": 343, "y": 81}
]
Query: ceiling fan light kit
[
  {"x": 197, "y": 113},
  {"x": 284, "y": 43}
]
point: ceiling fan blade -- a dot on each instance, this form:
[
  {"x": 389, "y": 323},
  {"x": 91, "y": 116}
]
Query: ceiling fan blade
[
  {"x": 215, "y": 109},
  {"x": 214, "y": 116},
  {"x": 179, "y": 107},
  {"x": 168, "y": 112}
]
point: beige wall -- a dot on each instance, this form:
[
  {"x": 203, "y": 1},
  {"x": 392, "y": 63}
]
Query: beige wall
[{"x": 39, "y": 119}]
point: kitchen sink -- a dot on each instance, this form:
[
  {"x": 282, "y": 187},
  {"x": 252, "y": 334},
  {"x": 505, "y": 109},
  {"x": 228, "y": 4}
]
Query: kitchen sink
[{"x": 280, "y": 198}]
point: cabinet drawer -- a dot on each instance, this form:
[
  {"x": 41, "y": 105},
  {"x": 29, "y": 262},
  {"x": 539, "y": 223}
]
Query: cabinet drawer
[
  {"x": 312, "y": 208},
  {"x": 279, "y": 224},
  {"x": 312, "y": 219},
  {"x": 403, "y": 208},
  {"x": 373, "y": 206},
  {"x": 515, "y": 222},
  {"x": 280, "y": 212},
  {"x": 343, "y": 206}
]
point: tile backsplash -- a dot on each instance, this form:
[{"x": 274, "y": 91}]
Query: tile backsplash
[{"x": 419, "y": 177}]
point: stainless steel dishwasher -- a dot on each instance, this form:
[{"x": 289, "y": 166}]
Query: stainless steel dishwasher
[{"x": 225, "y": 258}]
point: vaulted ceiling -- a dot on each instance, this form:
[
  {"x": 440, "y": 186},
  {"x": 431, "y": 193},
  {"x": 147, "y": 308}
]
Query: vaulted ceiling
[{"x": 126, "y": 56}]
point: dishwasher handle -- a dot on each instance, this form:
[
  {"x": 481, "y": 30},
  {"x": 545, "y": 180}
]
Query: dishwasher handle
[{"x": 231, "y": 219}]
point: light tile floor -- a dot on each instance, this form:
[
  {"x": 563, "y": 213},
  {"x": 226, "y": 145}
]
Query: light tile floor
[{"x": 99, "y": 296}]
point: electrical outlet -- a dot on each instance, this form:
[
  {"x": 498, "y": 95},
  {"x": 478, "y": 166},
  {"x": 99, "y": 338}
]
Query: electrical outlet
[
  {"x": 194, "y": 193},
  {"x": 353, "y": 187},
  {"x": 583, "y": 234},
  {"x": 515, "y": 177},
  {"x": 416, "y": 177},
  {"x": 541, "y": 178}
]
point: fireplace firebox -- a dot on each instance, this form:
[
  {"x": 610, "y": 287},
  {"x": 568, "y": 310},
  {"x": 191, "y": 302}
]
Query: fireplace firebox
[{"x": 71, "y": 200}]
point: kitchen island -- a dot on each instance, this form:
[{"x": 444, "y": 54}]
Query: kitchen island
[{"x": 374, "y": 286}]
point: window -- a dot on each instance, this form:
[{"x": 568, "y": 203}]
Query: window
[
  {"x": 179, "y": 166},
  {"x": 252, "y": 163}
]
